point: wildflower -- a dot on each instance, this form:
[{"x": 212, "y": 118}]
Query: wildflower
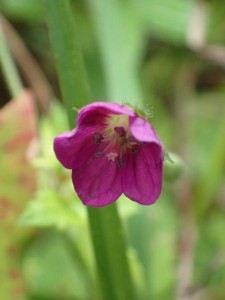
[{"x": 112, "y": 151}]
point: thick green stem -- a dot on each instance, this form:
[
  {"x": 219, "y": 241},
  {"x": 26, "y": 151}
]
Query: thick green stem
[
  {"x": 105, "y": 225},
  {"x": 9, "y": 69},
  {"x": 110, "y": 250}
]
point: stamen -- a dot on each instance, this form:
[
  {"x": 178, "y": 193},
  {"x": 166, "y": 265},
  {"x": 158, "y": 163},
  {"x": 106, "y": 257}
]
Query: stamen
[
  {"x": 97, "y": 137},
  {"x": 120, "y": 131},
  {"x": 133, "y": 144},
  {"x": 112, "y": 155},
  {"x": 131, "y": 139},
  {"x": 99, "y": 154},
  {"x": 134, "y": 150},
  {"x": 120, "y": 163}
]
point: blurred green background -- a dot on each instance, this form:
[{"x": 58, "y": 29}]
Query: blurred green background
[{"x": 169, "y": 57}]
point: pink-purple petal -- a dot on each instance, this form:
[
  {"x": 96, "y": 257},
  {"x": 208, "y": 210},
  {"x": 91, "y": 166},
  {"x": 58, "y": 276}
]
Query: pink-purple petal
[
  {"x": 142, "y": 130},
  {"x": 142, "y": 174},
  {"x": 97, "y": 113},
  {"x": 97, "y": 182},
  {"x": 73, "y": 148}
]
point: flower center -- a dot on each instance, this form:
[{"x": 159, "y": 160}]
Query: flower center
[{"x": 115, "y": 140}]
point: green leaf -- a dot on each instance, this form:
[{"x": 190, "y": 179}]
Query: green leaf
[
  {"x": 8, "y": 66},
  {"x": 52, "y": 271},
  {"x": 210, "y": 177},
  {"x": 49, "y": 208},
  {"x": 30, "y": 11},
  {"x": 118, "y": 33},
  {"x": 167, "y": 19},
  {"x": 69, "y": 60}
]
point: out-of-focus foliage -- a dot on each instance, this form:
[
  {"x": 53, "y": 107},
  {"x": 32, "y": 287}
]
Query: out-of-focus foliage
[
  {"x": 57, "y": 263},
  {"x": 18, "y": 182},
  {"x": 132, "y": 49},
  {"x": 27, "y": 11}
]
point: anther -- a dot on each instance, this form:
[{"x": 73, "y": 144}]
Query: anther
[
  {"x": 120, "y": 163},
  {"x": 112, "y": 155},
  {"x": 120, "y": 131},
  {"x": 134, "y": 150},
  {"x": 131, "y": 139},
  {"x": 99, "y": 154},
  {"x": 97, "y": 137}
]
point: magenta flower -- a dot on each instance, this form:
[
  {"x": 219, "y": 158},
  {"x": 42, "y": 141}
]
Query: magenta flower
[{"x": 112, "y": 151}]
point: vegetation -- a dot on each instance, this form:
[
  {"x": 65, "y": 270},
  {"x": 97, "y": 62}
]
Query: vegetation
[{"x": 165, "y": 58}]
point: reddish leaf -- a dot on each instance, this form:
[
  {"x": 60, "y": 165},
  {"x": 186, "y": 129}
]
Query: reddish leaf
[{"x": 17, "y": 179}]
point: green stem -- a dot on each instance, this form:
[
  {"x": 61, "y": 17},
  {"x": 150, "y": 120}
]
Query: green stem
[
  {"x": 110, "y": 251},
  {"x": 105, "y": 225},
  {"x": 8, "y": 66}
]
